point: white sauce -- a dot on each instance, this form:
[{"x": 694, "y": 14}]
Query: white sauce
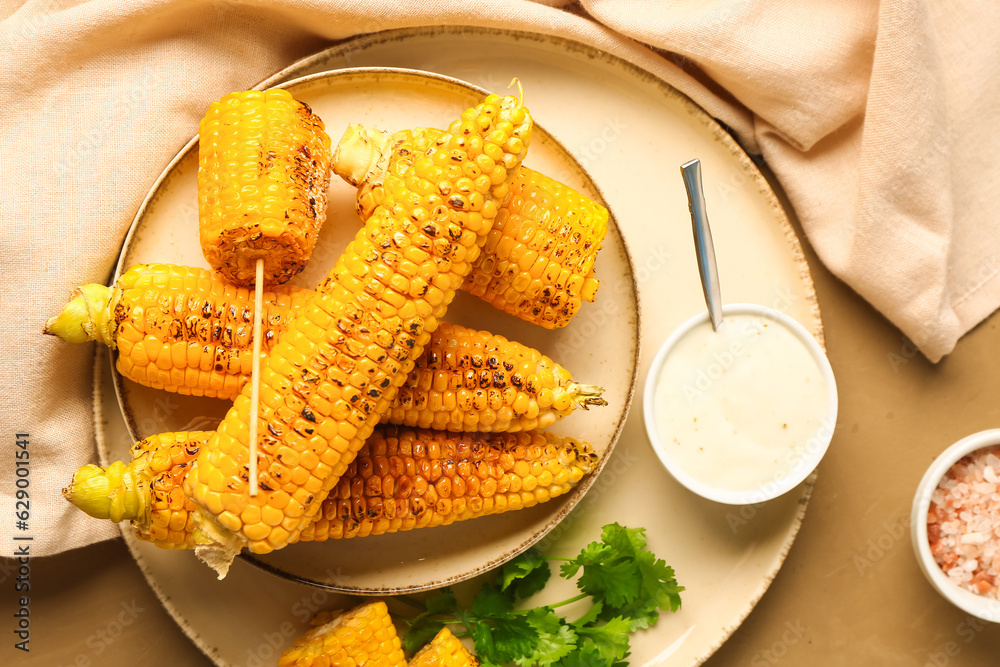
[{"x": 736, "y": 408}]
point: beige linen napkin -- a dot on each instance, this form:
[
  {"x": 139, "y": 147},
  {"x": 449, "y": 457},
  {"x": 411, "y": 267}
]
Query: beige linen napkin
[{"x": 881, "y": 124}]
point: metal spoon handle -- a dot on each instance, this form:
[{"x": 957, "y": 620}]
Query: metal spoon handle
[{"x": 705, "y": 249}]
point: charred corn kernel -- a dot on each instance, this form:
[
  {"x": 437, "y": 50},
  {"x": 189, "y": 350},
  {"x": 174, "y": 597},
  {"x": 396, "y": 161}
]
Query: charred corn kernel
[
  {"x": 538, "y": 260},
  {"x": 178, "y": 328},
  {"x": 363, "y": 636},
  {"x": 147, "y": 491},
  {"x": 404, "y": 479},
  {"x": 401, "y": 479},
  {"x": 445, "y": 650},
  {"x": 353, "y": 341},
  {"x": 470, "y": 380},
  {"x": 546, "y": 241},
  {"x": 263, "y": 173}
]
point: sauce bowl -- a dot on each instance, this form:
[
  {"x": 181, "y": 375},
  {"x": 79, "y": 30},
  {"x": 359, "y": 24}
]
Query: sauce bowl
[{"x": 798, "y": 463}]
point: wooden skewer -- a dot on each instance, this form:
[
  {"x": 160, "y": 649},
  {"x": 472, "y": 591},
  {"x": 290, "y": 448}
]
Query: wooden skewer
[{"x": 258, "y": 308}]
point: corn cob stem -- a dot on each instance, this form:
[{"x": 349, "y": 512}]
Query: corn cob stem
[
  {"x": 585, "y": 395},
  {"x": 362, "y": 154},
  {"x": 117, "y": 492},
  {"x": 86, "y": 317},
  {"x": 147, "y": 491}
]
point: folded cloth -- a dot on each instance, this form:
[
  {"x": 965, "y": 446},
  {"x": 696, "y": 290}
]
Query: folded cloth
[{"x": 879, "y": 122}]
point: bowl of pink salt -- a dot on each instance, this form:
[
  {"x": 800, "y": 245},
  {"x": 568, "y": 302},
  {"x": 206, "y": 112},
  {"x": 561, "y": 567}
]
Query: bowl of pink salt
[{"x": 955, "y": 524}]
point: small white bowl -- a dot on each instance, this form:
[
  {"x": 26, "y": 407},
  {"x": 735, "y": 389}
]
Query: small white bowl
[
  {"x": 976, "y": 605},
  {"x": 815, "y": 448}
]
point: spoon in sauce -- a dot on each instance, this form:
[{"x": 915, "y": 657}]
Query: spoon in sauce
[
  {"x": 743, "y": 412},
  {"x": 705, "y": 249}
]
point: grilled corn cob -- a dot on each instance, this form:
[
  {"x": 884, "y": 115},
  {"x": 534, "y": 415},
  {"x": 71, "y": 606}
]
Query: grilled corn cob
[
  {"x": 401, "y": 479},
  {"x": 338, "y": 366},
  {"x": 540, "y": 254},
  {"x": 445, "y": 650},
  {"x": 471, "y": 380},
  {"x": 538, "y": 261},
  {"x": 185, "y": 330},
  {"x": 178, "y": 328},
  {"x": 407, "y": 479},
  {"x": 361, "y": 637},
  {"x": 263, "y": 173}
]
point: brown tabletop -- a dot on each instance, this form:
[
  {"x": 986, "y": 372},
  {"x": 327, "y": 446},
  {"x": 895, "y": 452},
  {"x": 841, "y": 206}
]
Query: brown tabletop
[{"x": 850, "y": 592}]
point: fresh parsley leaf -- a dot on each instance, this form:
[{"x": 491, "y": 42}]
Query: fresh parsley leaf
[
  {"x": 482, "y": 637},
  {"x": 609, "y": 570},
  {"x": 556, "y": 639},
  {"x": 491, "y": 603},
  {"x": 442, "y": 603},
  {"x": 658, "y": 588},
  {"x": 627, "y": 586},
  {"x": 617, "y": 582},
  {"x": 640, "y": 614},
  {"x": 592, "y": 614},
  {"x": 586, "y": 655},
  {"x": 419, "y": 634},
  {"x": 594, "y": 552},
  {"x": 525, "y": 575},
  {"x": 630, "y": 581},
  {"x": 513, "y": 638},
  {"x": 502, "y": 640},
  {"x": 659, "y": 582},
  {"x": 610, "y": 640}
]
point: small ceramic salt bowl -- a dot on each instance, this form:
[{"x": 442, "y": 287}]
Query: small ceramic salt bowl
[
  {"x": 746, "y": 371},
  {"x": 977, "y": 605}
]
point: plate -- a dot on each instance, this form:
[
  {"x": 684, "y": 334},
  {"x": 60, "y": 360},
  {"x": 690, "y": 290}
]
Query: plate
[
  {"x": 166, "y": 230},
  {"x": 631, "y": 131}
]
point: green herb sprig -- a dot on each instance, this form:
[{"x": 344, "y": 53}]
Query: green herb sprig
[{"x": 627, "y": 584}]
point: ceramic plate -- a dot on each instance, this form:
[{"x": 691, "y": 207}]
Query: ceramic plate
[
  {"x": 631, "y": 131},
  {"x": 166, "y": 230}
]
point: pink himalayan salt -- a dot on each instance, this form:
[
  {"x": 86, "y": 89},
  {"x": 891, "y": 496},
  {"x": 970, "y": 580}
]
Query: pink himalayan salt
[{"x": 963, "y": 523}]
